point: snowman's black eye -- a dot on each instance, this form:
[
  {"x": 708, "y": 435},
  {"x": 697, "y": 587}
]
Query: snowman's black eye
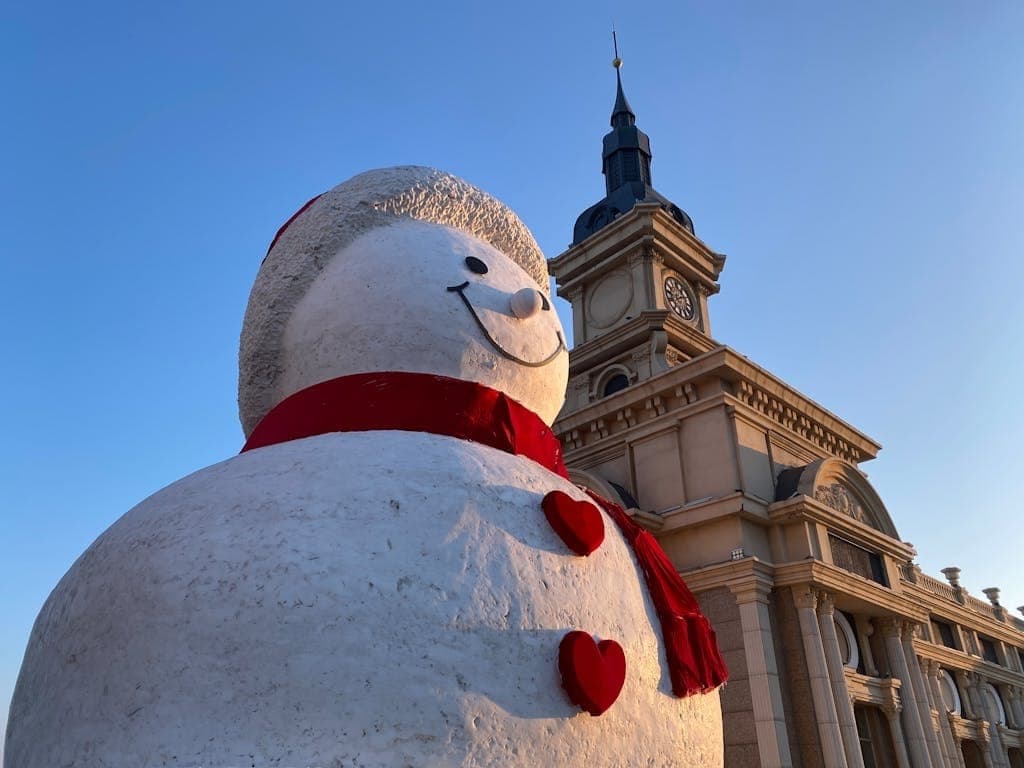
[{"x": 476, "y": 266}]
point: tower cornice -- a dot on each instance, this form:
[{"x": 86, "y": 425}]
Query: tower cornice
[
  {"x": 744, "y": 385},
  {"x": 645, "y": 223}
]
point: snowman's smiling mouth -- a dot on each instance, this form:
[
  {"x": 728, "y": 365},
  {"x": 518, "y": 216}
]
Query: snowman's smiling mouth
[{"x": 461, "y": 290}]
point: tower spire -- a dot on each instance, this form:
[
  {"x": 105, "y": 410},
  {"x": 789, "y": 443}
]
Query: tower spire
[
  {"x": 626, "y": 165},
  {"x": 622, "y": 113}
]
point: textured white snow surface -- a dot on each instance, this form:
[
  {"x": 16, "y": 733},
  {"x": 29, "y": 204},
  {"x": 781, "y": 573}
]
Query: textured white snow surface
[
  {"x": 371, "y": 200},
  {"x": 383, "y": 304},
  {"x": 361, "y": 599}
]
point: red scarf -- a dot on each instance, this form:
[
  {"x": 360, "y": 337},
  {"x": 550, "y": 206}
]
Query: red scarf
[{"x": 420, "y": 402}]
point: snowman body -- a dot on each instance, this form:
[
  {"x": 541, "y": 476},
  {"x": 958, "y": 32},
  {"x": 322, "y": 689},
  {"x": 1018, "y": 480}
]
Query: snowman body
[
  {"x": 384, "y": 597},
  {"x": 379, "y": 598}
]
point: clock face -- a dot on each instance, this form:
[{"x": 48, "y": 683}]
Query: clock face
[{"x": 680, "y": 298}]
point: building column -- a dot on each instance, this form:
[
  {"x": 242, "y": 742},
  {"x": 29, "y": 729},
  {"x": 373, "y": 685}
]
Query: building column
[
  {"x": 986, "y": 755},
  {"x": 958, "y": 752},
  {"x": 1018, "y": 706},
  {"x": 993, "y": 741},
  {"x": 892, "y": 714},
  {"x": 967, "y": 700},
  {"x": 924, "y": 708},
  {"x": 1014, "y": 695},
  {"x": 840, "y": 693},
  {"x": 1011, "y": 714},
  {"x": 864, "y": 630},
  {"x": 986, "y": 751},
  {"x": 817, "y": 671},
  {"x": 763, "y": 672},
  {"x": 946, "y": 740},
  {"x": 917, "y": 744}
]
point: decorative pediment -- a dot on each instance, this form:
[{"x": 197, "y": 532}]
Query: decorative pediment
[
  {"x": 842, "y": 487},
  {"x": 841, "y": 499}
]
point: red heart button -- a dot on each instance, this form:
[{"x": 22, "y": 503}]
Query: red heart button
[
  {"x": 579, "y": 523},
  {"x": 592, "y": 673}
]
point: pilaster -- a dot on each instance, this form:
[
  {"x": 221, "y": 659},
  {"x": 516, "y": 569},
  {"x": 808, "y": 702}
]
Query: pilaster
[
  {"x": 917, "y": 744},
  {"x": 762, "y": 670},
  {"x": 840, "y": 692},
  {"x": 993, "y": 741},
  {"x": 832, "y": 749},
  {"x": 920, "y": 693},
  {"x": 892, "y": 714},
  {"x": 953, "y": 756}
]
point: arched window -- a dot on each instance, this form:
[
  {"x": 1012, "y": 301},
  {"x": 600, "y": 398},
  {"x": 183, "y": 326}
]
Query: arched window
[
  {"x": 616, "y": 383},
  {"x": 995, "y": 704},
  {"x": 950, "y": 693},
  {"x": 847, "y": 641}
]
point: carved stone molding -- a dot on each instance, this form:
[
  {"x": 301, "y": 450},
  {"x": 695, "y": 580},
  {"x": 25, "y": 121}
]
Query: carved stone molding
[
  {"x": 838, "y": 497},
  {"x": 646, "y": 253},
  {"x": 656, "y": 405},
  {"x": 573, "y": 439},
  {"x": 754, "y": 587},
  {"x": 677, "y": 387},
  {"x": 775, "y": 409},
  {"x": 626, "y": 415}
]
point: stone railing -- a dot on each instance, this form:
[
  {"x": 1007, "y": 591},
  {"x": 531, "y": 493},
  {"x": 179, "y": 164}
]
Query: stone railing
[
  {"x": 908, "y": 572},
  {"x": 981, "y": 606},
  {"x": 912, "y": 574},
  {"x": 933, "y": 585}
]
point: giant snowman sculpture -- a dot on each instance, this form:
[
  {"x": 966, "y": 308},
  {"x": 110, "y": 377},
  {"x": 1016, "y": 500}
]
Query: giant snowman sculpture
[{"x": 395, "y": 571}]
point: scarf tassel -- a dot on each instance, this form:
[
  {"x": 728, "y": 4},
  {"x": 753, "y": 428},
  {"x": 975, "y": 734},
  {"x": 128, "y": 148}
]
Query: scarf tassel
[{"x": 694, "y": 662}]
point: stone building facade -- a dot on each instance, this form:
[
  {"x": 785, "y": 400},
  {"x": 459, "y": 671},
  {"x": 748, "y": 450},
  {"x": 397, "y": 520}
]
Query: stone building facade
[{"x": 841, "y": 652}]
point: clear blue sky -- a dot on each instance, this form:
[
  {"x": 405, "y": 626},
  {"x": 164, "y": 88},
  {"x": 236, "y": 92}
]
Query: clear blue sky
[{"x": 861, "y": 165}]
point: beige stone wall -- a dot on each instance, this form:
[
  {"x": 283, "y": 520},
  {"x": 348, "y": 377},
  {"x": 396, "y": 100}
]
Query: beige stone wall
[
  {"x": 719, "y": 605},
  {"x": 659, "y": 481},
  {"x": 755, "y": 463},
  {"x": 708, "y": 464},
  {"x": 698, "y": 546},
  {"x": 804, "y": 742}
]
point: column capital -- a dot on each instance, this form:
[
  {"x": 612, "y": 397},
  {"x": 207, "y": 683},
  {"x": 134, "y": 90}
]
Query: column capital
[
  {"x": 889, "y": 626},
  {"x": 892, "y": 707},
  {"x": 826, "y": 603},
  {"x": 909, "y": 626},
  {"x": 645, "y": 253},
  {"x": 805, "y": 596},
  {"x": 754, "y": 587}
]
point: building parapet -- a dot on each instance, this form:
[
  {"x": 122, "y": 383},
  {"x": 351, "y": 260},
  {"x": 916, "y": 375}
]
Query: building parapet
[
  {"x": 748, "y": 386},
  {"x": 995, "y": 618}
]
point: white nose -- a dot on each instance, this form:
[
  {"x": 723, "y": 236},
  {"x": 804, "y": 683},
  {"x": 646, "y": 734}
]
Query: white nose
[{"x": 525, "y": 303}]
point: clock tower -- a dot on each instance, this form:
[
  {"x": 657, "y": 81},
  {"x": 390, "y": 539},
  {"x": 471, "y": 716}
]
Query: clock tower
[{"x": 636, "y": 275}]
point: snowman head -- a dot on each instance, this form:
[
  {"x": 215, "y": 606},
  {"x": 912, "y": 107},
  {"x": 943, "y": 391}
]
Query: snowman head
[{"x": 402, "y": 269}]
